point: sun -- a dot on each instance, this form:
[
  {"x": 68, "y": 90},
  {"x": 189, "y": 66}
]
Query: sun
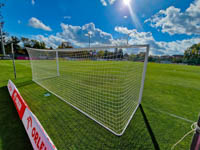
[{"x": 127, "y": 2}]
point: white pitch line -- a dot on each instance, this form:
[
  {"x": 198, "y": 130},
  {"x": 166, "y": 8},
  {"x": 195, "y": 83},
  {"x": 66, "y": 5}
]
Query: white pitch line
[{"x": 172, "y": 115}]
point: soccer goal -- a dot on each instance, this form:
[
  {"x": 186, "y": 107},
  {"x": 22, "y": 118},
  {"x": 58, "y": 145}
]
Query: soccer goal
[{"x": 104, "y": 83}]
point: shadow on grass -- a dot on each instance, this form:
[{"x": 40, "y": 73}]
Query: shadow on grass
[
  {"x": 153, "y": 138},
  {"x": 12, "y": 133},
  {"x": 22, "y": 84}
]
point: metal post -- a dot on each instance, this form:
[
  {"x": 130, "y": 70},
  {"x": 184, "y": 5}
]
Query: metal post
[
  {"x": 144, "y": 73},
  {"x": 89, "y": 40},
  {"x": 89, "y": 35},
  {"x": 13, "y": 60},
  {"x": 127, "y": 39},
  {"x": 57, "y": 62},
  {"x": 2, "y": 44}
]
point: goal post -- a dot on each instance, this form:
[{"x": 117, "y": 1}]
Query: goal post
[
  {"x": 104, "y": 83},
  {"x": 57, "y": 63},
  {"x": 144, "y": 72}
]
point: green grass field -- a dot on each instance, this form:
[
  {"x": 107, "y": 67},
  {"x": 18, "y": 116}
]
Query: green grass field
[
  {"x": 168, "y": 89},
  {"x": 107, "y": 91}
]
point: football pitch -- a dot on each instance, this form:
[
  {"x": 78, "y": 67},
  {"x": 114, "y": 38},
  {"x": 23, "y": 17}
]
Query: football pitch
[{"x": 170, "y": 102}]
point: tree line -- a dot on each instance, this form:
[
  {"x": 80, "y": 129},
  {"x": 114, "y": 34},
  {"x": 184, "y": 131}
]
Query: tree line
[
  {"x": 192, "y": 55},
  {"x": 19, "y": 44}
]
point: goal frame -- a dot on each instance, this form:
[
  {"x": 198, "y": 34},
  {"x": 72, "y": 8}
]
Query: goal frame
[{"x": 147, "y": 46}]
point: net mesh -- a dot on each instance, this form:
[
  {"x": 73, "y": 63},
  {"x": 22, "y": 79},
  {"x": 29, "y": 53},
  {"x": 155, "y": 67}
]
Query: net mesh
[{"x": 103, "y": 83}]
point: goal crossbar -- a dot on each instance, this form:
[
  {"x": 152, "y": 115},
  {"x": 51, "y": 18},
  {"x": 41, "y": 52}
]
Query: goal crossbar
[{"x": 91, "y": 48}]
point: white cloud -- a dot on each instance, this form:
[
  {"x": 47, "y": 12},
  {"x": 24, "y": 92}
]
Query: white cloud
[
  {"x": 135, "y": 34},
  {"x": 125, "y": 17},
  {"x": 111, "y": 1},
  {"x": 178, "y": 46},
  {"x": 106, "y": 2},
  {"x": 35, "y": 23},
  {"x": 78, "y": 33},
  {"x": 157, "y": 47},
  {"x": 33, "y": 2},
  {"x": 103, "y": 2},
  {"x": 77, "y": 36},
  {"x": 67, "y": 17},
  {"x": 50, "y": 41},
  {"x": 173, "y": 21},
  {"x": 19, "y": 21}
]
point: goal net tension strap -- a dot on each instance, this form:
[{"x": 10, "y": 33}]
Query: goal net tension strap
[{"x": 196, "y": 138}]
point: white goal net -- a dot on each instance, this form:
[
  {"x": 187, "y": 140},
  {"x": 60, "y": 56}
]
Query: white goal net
[{"x": 104, "y": 83}]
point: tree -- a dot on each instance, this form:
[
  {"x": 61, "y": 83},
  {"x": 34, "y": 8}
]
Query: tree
[
  {"x": 126, "y": 55},
  {"x": 120, "y": 54},
  {"x": 38, "y": 45},
  {"x": 106, "y": 54},
  {"x": 26, "y": 42},
  {"x": 15, "y": 40},
  {"x": 100, "y": 54},
  {"x": 33, "y": 43},
  {"x": 116, "y": 53},
  {"x": 192, "y": 55},
  {"x": 132, "y": 57},
  {"x": 65, "y": 45}
]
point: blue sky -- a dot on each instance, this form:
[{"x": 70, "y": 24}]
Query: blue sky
[{"x": 169, "y": 26}]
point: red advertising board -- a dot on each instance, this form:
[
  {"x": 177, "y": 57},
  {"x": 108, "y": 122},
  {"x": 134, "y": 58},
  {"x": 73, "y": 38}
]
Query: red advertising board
[
  {"x": 19, "y": 103},
  {"x": 36, "y": 133}
]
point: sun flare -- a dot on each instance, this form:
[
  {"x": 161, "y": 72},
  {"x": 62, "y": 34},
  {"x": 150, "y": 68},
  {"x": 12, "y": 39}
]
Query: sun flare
[{"x": 127, "y": 2}]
